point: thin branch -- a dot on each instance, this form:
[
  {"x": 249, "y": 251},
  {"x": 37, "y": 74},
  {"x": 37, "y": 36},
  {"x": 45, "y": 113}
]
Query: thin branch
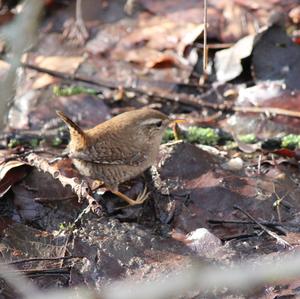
[
  {"x": 69, "y": 77},
  {"x": 205, "y": 48},
  {"x": 267, "y": 110},
  {"x": 217, "y": 46},
  {"x": 272, "y": 234},
  {"x": 274, "y": 225},
  {"x": 19, "y": 283},
  {"x": 80, "y": 188},
  {"x": 37, "y": 259},
  {"x": 239, "y": 237},
  {"x": 243, "y": 222},
  {"x": 202, "y": 280},
  {"x": 203, "y": 78},
  {"x": 186, "y": 99},
  {"x": 38, "y": 272}
]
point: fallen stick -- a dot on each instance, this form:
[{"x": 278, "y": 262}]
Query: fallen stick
[
  {"x": 81, "y": 189},
  {"x": 272, "y": 234},
  {"x": 187, "y": 99}
]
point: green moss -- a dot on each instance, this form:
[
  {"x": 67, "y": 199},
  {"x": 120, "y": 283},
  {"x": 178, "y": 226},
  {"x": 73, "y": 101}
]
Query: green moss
[
  {"x": 291, "y": 141},
  {"x": 230, "y": 145},
  {"x": 34, "y": 142},
  {"x": 13, "y": 143},
  {"x": 56, "y": 141},
  {"x": 65, "y": 227},
  {"x": 247, "y": 138},
  {"x": 73, "y": 90},
  {"x": 206, "y": 136},
  {"x": 168, "y": 135}
]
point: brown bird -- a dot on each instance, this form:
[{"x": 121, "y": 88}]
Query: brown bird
[{"x": 118, "y": 149}]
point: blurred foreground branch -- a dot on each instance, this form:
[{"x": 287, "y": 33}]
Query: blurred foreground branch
[
  {"x": 213, "y": 279},
  {"x": 197, "y": 279},
  {"x": 28, "y": 290},
  {"x": 19, "y": 35}
]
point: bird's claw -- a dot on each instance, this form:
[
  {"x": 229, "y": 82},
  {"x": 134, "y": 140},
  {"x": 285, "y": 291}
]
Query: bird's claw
[
  {"x": 139, "y": 200},
  {"x": 141, "y": 197},
  {"x": 76, "y": 32}
]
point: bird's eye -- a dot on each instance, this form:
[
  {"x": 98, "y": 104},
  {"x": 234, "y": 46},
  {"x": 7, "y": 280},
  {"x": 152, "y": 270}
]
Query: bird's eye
[{"x": 158, "y": 124}]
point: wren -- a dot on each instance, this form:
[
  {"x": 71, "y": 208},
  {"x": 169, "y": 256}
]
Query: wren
[{"x": 118, "y": 149}]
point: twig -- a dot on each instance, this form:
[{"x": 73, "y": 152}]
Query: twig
[
  {"x": 214, "y": 46},
  {"x": 37, "y": 272},
  {"x": 81, "y": 189},
  {"x": 274, "y": 225},
  {"x": 272, "y": 234},
  {"x": 37, "y": 259},
  {"x": 267, "y": 110},
  {"x": 52, "y": 199},
  {"x": 203, "y": 78},
  {"x": 27, "y": 290},
  {"x": 259, "y": 164},
  {"x": 201, "y": 281},
  {"x": 205, "y": 49},
  {"x": 19, "y": 283},
  {"x": 69, "y": 77},
  {"x": 239, "y": 237},
  {"x": 70, "y": 236},
  {"x": 243, "y": 222},
  {"x": 184, "y": 99},
  {"x": 190, "y": 100},
  {"x": 278, "y": 202}
]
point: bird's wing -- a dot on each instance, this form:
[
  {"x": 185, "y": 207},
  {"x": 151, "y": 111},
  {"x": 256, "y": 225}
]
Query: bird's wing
[{"x": 134, "y": 159}]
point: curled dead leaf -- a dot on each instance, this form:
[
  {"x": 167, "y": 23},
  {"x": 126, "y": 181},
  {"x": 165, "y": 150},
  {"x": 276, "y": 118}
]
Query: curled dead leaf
[{"x": 10, "y": 173}]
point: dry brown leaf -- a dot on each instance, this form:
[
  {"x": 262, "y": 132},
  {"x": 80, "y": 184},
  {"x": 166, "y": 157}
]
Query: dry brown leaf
[
  {"x": 10, "y": 173},
  {"x": 189, "y": 39},
  {"x": 55, "y": 63},
  {"x": 151, "y": 58},
  {"x": 6, "y": 167},
  {"x": 66, "y": 64},
  {"x": 158, "y": 33}
]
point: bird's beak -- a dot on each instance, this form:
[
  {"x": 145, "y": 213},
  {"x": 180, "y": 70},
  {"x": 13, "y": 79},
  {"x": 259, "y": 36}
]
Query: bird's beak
[{"x": 173, "y": 122}]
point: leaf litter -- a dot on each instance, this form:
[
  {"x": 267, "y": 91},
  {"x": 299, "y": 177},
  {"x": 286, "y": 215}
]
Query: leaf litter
[{"x": 145, "y": 60}]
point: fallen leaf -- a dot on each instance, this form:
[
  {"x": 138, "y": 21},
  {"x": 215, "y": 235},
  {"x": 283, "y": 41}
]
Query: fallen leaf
[
  {"x": 158, "y": 33},
  {"x": 294, "y": 14},
  {"x": 10, "y": 173},
  {"x": 66, "y": 64},
  {"x": 189, "y": 39},
  {"x": 228, "y": 62},
  {"x": 152, "y": 58},
  {"x": 62, "y": 64}
]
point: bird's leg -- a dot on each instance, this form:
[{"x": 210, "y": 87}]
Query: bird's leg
[
  {"x": 79, "y": 20},
  {"x": 76, "y": 32},
  {"x": 140, "y": 199}
]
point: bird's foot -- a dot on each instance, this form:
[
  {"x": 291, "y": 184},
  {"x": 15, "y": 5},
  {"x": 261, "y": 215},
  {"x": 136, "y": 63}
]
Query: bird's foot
[
  {"x": 95, "y": 184},
  {"x": 142, "y": 197},
  {"x": 76, "y": 32},
  {"x": 138, "y": 201}
]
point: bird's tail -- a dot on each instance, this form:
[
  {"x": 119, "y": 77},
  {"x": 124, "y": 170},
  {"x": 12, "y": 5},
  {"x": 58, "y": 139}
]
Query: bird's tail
[{"x": 78, "y": 137}]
